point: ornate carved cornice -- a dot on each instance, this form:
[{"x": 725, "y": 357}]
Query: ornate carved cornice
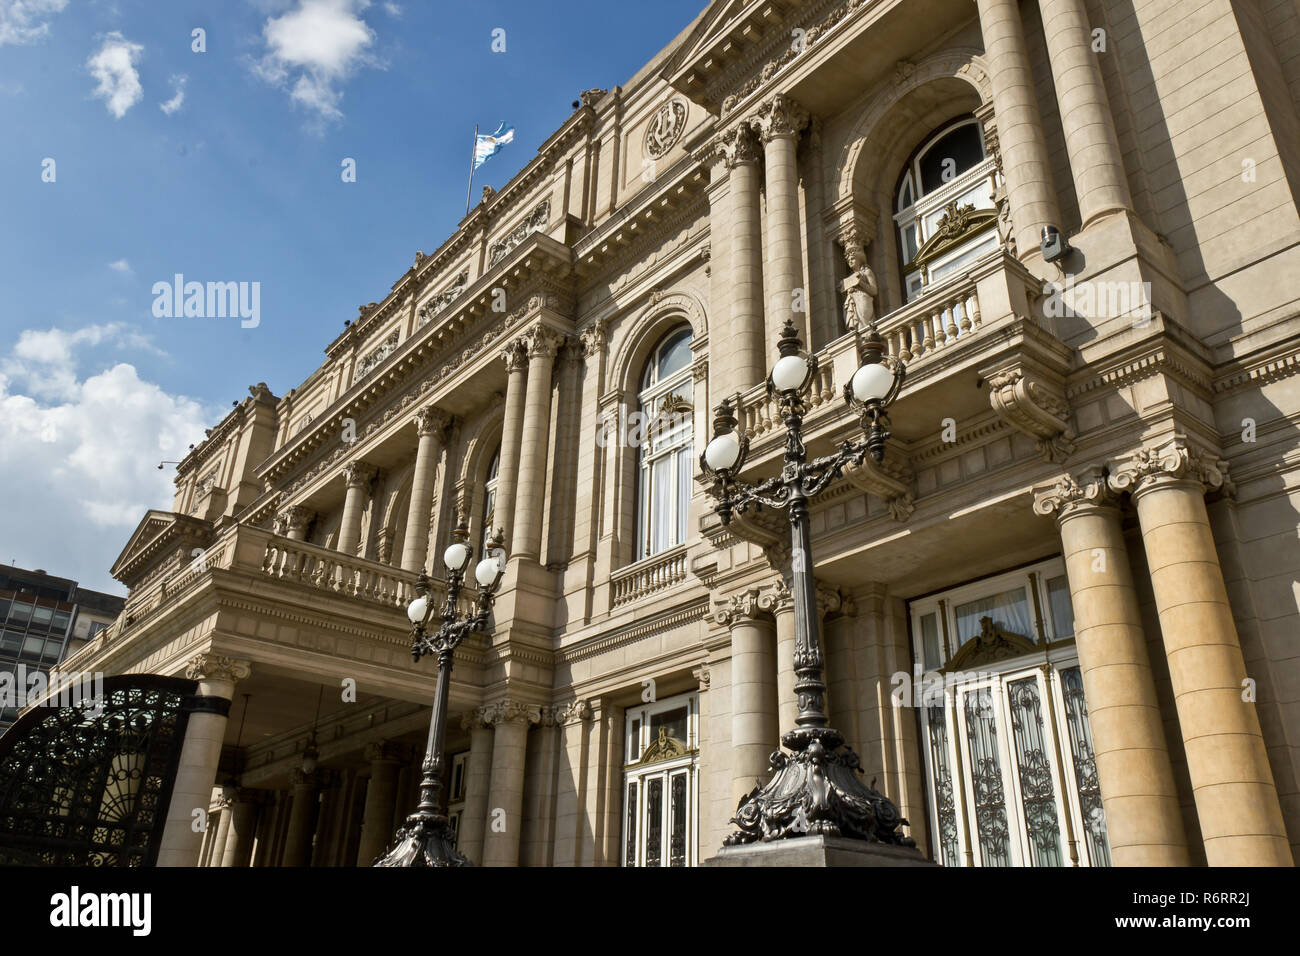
[
  {"x": 1073, "y": 493},
  {"x": 430, "y": 420},
  {"x": 1174, "y": 462},
  {"x": 1034, "y": 404},
  {"x": 207, "y": 666}
]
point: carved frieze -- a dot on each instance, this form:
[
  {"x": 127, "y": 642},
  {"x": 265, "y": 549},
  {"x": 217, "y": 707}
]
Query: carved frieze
[
  {"x": 535, "y": 221},
  {"x": 375, "y": 357},
  {"x": 439, "y": 302}
]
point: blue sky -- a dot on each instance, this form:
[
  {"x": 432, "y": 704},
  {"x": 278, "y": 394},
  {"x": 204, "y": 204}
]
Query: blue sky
[{"x": 225, "y": 166}]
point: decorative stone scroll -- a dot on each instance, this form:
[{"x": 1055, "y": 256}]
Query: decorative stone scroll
[
  {"x": 510, "y": 711},
  {"x": 217, "y": 667},
  {"x": 779, "y": 116},
  {"x": 1036, "y": 407},
  {"x": 1086, "y": 490}
]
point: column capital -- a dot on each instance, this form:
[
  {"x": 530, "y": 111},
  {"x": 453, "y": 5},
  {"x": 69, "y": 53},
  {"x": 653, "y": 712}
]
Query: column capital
[
  {"x": 1074, "y": 494},
  {"x": 1175, "y": 461},
  {"x": 543, "y": 342},
  {"x": 293, "y": 518},
  {"x": 430, "y": 420},
  {"x": 358, "y": 473},
  {"x": 301, "y": 778},
  {"x": 474, "y": 719},
  {"x": 738, "y": 607},
  {"x": 703, "y": 677},
  {"x": 515, "y": 355},
  {"x": 777, "y": 597},
  {"x": 593, "y": 338},
  {"x": 559, "y": 715},
  {"x": 511, "y": 711},
  {"x": 781, "y": 116},
  {"x": 207, "y": 666},
  {"x": 739, "y": 146}
]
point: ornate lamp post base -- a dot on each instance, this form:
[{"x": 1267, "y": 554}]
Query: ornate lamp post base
[
  {"x": 424, "y": 841},
  {"x": 815, "y": 790}
]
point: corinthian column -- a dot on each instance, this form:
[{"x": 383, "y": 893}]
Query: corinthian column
[
  {"x": 779, "y": 602},
  {"x": 505, "y": 803},
  {"x": 1020, "y": 128},
  {"x": 515, "y": 356},
  {"x": 430, "y": 423},
  {"x": 1090, "y": 140},
  {"x": 478, "y": 775},
  {"x": 293, "y": 522},
  {"x": 526, "y": 536},
  {"x": 778, "y": 124},
  {"x": 197, "y": 769},
  {"x": 1236, "y": 798},
  {"x": 1144, "y": 825},
  {"x": 746, "y": 351},
  {"x": 358, "y": 476},
  {"x": 754, "y": 730}
]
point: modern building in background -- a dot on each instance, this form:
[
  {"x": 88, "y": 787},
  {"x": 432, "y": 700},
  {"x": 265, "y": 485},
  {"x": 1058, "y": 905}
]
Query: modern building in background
[
  {"x": 43, "y": 620},
  {"x": 1060, "y": 619}
]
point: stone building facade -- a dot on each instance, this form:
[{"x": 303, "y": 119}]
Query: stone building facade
[{"x": 1060, "y": 617}]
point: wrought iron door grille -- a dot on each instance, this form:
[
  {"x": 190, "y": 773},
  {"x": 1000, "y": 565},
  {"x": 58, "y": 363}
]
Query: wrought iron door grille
[{"x": 89, "y": 785}]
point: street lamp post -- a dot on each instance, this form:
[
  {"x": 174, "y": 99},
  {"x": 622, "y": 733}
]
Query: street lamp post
[
  {"x": 426, "y": 838},
  {"x": 815, "y": 787}
]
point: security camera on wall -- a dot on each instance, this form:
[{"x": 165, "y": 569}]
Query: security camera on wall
[{"x": 1055, "y": 246}]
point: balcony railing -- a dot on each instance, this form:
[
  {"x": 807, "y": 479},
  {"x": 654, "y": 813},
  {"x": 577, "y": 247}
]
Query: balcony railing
[
  {"x": 649, "y": 576},
  {"x": 934, "y": 321}
]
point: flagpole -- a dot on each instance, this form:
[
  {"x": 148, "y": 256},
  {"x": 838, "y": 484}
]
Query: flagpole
[{"x": 472, "y": 155}]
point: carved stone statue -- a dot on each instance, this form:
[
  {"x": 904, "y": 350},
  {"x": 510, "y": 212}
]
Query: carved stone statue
[{"x": 859, "y": 288}]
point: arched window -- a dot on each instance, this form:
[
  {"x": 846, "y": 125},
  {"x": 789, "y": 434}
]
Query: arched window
[
  {"x": 943, "y": 206},
  {"x": 665, "y": 460},
  {"x": 490, "y": 497}
]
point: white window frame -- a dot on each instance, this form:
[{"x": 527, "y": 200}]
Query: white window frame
[
  {"x": 663, "y": 440},
  {"x": 636, "y": 738},
  {"x": 1044, "y": 664},
  {"x": 974, "y": 187}
]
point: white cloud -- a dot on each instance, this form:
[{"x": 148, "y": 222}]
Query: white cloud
[
  {"x": 393, "y": 10},
  {"x": 79, "y": 455},
  {"x": 121, "y": 265},
  {"x": 113, "y": 65},
  {"x": 314, "y": 48},
  {"x": 178, "y": 88},
  {"x": 26, "y": 21}
]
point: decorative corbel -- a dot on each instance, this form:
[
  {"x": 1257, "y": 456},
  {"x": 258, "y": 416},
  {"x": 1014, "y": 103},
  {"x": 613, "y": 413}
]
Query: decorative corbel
[
  {"x": 890, "y": 480},
  {"x": 1033, "y": 402}
]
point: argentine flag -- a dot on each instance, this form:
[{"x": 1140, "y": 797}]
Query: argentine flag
[{"x": 490, "y": 144}]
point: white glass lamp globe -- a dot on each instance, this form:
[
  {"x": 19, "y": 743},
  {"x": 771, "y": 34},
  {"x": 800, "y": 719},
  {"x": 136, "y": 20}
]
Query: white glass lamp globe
[
  {"x": 417, "y": 609},
  {"x": 789, "y": 372},
  {"x": 872, "y": 381},
  {"x": 722, "y": 453},
  {"x": 487, "y": 571},
  {"x": 456, "y": 557}
]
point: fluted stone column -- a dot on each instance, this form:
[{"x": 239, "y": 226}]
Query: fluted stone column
[
  {"x": 478, "y": 776},
  {"x": 746, "y": 349},
  {"x": 302, "y": 818},
  {"x": 197, "y": 769},
  {"x": 515, "y": 356},
  {"x": 510, "y": 720},
  {"x": 222, "y": 836},
  {"x": 358, "y": 476},
  {"x": 243, "y": 824},
  {"x": 293, "y": 522},
  {"x": 1095, "y": 158},
  {"x": 430, "y": 423},
  {"x": 1020, "y": 128},
  {"x": 754, "y": 728},
  {"x": 778, "y": 124},
  {"x": 526, "y": 536},
  {"x": 377, "y": 826},
  {"x": 1236, "y": 798},
  {"x": 780, "y": 603},
  {"x": 1144, "y": 825}
]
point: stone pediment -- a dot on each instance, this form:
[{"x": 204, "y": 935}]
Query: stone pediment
[
  {"x": 156, "y": 538},
  {"x": 725, "y": 34},
  {"x": 663, "y": 748}
]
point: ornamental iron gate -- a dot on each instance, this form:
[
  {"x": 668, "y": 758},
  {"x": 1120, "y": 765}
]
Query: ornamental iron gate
[{"x": 89, "y": 784}]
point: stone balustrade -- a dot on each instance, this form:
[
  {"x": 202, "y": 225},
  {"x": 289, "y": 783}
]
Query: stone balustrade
[
  {"x": 338, "y": 573},
  {"x": 648, "y": 576}
]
